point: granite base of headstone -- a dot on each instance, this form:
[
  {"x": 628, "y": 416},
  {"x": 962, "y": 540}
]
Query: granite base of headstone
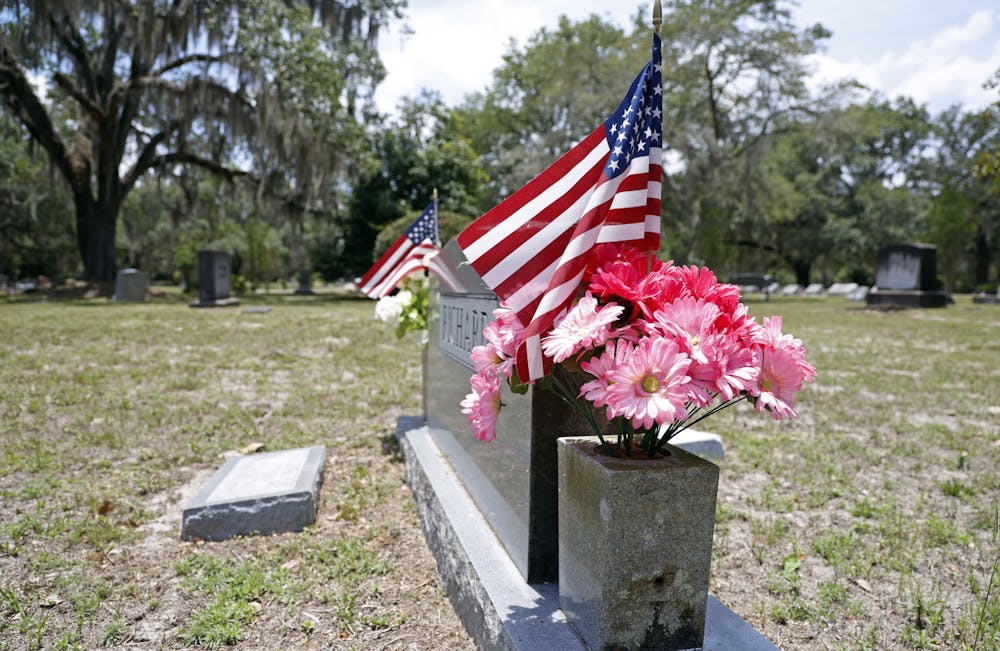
[
  {"x": 258, "y": 494},
  {"x": 213, "y": 280},
  {"x": 131, "y": 286},
  {"x": 907, "y": 276},
  {"x": 496, "y": 605}
]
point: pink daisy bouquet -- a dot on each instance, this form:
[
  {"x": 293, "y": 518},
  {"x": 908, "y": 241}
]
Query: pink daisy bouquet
[{"x": 657, "y": 351}]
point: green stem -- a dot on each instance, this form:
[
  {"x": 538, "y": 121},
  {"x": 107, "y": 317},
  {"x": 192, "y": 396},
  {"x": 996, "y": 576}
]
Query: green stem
[
  {"x": 567, "y": 396},
  {"x": 676, "y": 428}
]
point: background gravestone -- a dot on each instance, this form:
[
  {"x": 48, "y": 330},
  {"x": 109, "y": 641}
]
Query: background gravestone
[
  {"x": 131, "y": 285},
  {"x": 907, "y": 275},
  {"x": 305, "y": 282},
  {"x": 213, "y": 280}
]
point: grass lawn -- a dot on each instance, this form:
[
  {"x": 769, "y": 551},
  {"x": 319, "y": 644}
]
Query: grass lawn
[{"x": 871, "y": 522}]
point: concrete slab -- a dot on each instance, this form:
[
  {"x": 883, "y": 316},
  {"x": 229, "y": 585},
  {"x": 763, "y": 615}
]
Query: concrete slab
[
  {"x": 704, "y": 444},
  {"x": 267, "y": 493},
  {"x": 498, "y": 608}
]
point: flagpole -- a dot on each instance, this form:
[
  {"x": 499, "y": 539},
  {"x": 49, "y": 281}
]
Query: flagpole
[
  {"x": 657, "y": 23},
  {"x": 437, "y": 215}
]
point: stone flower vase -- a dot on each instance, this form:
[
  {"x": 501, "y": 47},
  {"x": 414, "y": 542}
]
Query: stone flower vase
[{"x": 635, "y": 546}]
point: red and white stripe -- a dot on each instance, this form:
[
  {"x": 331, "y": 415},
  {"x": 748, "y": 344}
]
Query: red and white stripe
[
  {"x": 534, "y": 247},
  {"x": 404, "y": 259}
]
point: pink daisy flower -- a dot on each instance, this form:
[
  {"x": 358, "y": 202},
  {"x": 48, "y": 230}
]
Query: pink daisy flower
[
  {"x": 509, "y": 331},
  {"x": 735, "y": 365},
  {"x": 489, "y": 360},
  {"x": 599, "y": 366},
  {"x": 584, "y": 326},
  {"x": 690, "y": 322},
  {"x": 781, "y": 376},
  {"x": 650, "y": 384},
  {"x": 769, "y": 336},
  {"x": 482, "y": 406}
]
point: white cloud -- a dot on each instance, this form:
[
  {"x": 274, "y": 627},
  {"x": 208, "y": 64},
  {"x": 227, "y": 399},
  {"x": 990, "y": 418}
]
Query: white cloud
[
  {"x": 937, "y": 53},
  {"x": 948, "y": 68},
  {"x": 456, "y": 45}
]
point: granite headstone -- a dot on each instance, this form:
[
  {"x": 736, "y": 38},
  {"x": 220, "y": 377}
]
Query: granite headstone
[
  {"x": 305, "y": 282},
  {"x": 213, "y": 280},
  {"x": 513, "y": 479},
  {"x": 907, "y": 275},
  {"x": 131, "y": 285}
]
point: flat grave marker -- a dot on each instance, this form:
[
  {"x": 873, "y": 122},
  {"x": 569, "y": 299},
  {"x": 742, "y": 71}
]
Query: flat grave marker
[{"x": 266, "y": 493}]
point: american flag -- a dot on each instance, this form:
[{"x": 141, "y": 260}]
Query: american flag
[
  {"x": 405, "y": 256},
  {"x": 533, "y": 248}
]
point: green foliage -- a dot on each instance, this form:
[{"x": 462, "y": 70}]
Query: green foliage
[{"x": 451, "y": 224}]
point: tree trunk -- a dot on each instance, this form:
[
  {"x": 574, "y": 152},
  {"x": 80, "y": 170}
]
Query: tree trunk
[
  {"x": 95, "y": 227},
  {"x": 982, "y": 257},
  {"x": 803, "y": 271}
]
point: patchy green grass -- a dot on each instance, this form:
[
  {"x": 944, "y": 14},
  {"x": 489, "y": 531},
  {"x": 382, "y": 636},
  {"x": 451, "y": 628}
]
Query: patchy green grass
[
  {"x": 112, "y": 415},
  {"x": 885, "y": 490},
  {"x": 869, "y": 523}
]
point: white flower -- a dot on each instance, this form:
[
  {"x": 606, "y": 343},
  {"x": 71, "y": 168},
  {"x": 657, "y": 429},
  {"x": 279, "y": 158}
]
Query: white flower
[{"x": 390, "y": 308}]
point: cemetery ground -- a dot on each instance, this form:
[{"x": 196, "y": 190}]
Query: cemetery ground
[{"x": 869, "y": 523}]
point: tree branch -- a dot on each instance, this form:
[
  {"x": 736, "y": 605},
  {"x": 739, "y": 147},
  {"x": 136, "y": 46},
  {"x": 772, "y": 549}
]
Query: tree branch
[
  {"x": 71, "y": 89},
  {"x": 186, "y": 158},
  {"x": 20, "y": 98},
  {"x": 68, "y": 36},
  {"x": 192, "y": 58}
]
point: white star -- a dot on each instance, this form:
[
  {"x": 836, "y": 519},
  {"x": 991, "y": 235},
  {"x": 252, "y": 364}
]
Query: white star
[
  {"x": 621, "y": 136},
  {"x": 648, "y": 132},
  {"x": 614, "y": 128},
  {"x": 613, "y": 165},
  {"x": 657, "y": 113},
  {"x": 617, "y": 151},
  {"x": 642, "y": 145}
]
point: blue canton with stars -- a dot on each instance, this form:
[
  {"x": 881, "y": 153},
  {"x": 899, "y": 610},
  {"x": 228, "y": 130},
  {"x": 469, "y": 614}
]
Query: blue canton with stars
[
  {"x": 424, "y": 228},
  {"x": 637, "y": 124}
]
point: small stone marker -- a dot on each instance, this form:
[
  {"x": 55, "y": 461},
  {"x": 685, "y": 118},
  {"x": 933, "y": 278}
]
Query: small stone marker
[
  {"x": 841, "y": 289},
  {"x": 790, "y": 290},
  {"x": 859, "y": 293},
  {"x": 815, "y": 289},
  {"x": 267, "y": 493},
  {"x": 256, "y": 310},
  {"x": 131, "y": 285}
]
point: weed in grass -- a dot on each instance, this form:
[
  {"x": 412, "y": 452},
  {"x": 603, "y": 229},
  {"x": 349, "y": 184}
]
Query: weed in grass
[
  {"x": 942, "y": 533},
  {"x": 348, "y": 560},
  {"x": 956, "y": 488},
  {"x": 114, "y": 632},
  {"x": 865, "y": 509},
  {"x": 235, "y": 588},
  {"x": 981, "y": 623},
  {"x": 925, "y": 619},
  {"x": 218, "y": 624}
]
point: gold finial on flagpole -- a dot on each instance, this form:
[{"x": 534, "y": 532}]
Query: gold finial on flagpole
[{"x": 657, "y": 16}]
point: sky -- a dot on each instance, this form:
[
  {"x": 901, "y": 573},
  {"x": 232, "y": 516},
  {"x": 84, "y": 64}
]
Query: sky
[{"x": 939, "y": 52}]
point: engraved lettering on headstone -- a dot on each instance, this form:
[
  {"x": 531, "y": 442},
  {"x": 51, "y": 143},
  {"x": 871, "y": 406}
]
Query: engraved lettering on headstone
[{"x": 463, "y": 318}]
